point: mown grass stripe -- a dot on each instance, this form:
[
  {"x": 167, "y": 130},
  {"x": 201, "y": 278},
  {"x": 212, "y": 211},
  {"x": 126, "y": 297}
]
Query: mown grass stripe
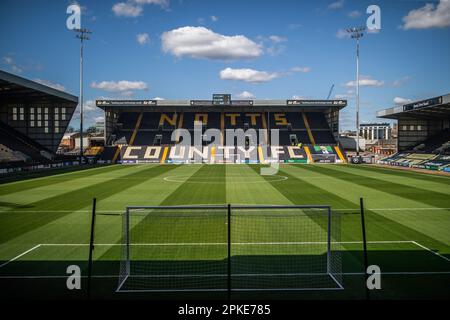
[
  {"x": 192, "y": 192},
  {"x": 403, "y": 173},
  {"x": 439, "y": 184},
  {"x": 15, "y": 225},
  {"x": 435, "y": 199},
  {"x": 54, "y": 178},
  {"x": 378, "y": 227}
]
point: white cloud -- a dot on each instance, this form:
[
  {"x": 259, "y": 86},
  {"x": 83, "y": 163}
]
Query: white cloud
[
  {"x": 214, "y": 18},
  {"x": 342, "y": 34},
  {"x": 134, "y": 8},
  {"x": 128, "y": 9},
  {"x": 50, "y": 84},
  {"x": 336, "y": 5},
  {"x": 7, "y": 60},
  {"x": 158, "y": 98},
  {"x": 119, "y": 86},
  {"x": 276, "y": 50},
  {"x": 428, "y": 16},
  {"x": 89, "y": 106},
  {"x": 350, "y": 94},
  {"x": 245, "y": 95},
  {"x": 200, "y": 42},
  {"x": 401, "y": 101},
  {"x": 401, "y": 81},
  {"x": 274, "y": 42},
  {"x": 277, "y": 39},
  {"x": 10, "y": 62},
  {"x": 298, "y": 97},
  {"x": 142, "y": 38},
  {"x": 354, "y": 14},
  {"x": 300, "y": 69},
  {"x": 16, "y": 69},
  {"x": 99, "y": 119},
  {"x": 161, "y": 3},
  {"x": 366, "y": 81},
  {"x": 247, "y": 75}
]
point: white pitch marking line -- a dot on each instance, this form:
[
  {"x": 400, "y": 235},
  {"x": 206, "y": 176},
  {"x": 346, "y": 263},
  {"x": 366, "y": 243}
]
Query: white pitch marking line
[
  {"x": 433, "y": 252},
  {"x": 20, "y": 255},
  {"x": 225, "y": 243}
]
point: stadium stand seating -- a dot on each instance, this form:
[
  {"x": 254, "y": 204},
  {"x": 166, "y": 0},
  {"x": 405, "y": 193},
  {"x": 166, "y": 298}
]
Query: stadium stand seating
[
  {"x": 437, "y": 143},
  {"x": 156, "y": 128},
  {"x": 433, "y": 154},
  {"x": 17, "y": 141},
  {"x": 8, "y": 155}
]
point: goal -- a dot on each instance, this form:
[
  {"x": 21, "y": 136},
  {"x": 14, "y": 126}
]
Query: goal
[{"x": 230, "y": 248}]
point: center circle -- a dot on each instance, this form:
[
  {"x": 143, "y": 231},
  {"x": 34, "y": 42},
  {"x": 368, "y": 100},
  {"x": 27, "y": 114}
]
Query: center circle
[{"x": 210, "y": 180}]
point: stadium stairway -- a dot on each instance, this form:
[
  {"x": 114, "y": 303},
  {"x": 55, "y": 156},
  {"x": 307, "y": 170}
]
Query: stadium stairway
[
  {"x": 305, "y": 120},
  {"x": 133, "y": 136}
]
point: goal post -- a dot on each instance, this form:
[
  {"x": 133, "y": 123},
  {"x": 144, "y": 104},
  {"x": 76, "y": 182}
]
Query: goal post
[{"x": 230, "y": 248}]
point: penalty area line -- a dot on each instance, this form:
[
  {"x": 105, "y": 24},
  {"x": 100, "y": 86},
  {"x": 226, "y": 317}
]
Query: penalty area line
[
  {"x": 433, "y": 252},
  {"x": 20, "y": 255}
]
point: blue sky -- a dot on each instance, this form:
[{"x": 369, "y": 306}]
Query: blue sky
[{"x": 263, "y": 49}]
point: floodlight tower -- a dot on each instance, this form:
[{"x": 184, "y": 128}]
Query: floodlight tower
[
  {"x": 82, "y": 35},
  {"x": 357, "y": 33}
]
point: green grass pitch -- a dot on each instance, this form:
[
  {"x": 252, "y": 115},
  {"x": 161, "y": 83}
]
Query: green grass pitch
[{"x": 44, "y": 226}]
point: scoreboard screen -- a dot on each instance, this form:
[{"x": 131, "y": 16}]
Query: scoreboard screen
[{"x": 221, "y": 99}]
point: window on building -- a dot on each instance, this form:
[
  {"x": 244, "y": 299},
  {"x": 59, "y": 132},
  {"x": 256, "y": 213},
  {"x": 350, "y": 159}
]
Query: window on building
[
  {"x": 14, "y": 114},
  {"x": 63, "y": 113},
  {"x": 22, "y": 114}
]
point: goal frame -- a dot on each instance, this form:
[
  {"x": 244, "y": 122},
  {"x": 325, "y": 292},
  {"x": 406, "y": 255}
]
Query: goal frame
[{"x": 229, "y": 209}]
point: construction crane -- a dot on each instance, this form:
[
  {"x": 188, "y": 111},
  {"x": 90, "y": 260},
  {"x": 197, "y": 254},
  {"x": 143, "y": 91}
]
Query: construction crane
[{"x": 331, "y": 90}]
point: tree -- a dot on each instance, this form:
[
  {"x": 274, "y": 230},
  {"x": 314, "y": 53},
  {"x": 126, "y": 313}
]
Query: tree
[{"x": 91, "y": 130}]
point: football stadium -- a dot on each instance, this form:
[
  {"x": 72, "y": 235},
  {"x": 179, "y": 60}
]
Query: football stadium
[{"x": 228, "y": 197}]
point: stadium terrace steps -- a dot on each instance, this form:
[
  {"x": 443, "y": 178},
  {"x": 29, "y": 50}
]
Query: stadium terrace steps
[
  {"x": 435, "y": 143},
  {"x": 17, "y": 141},
  {"x": 311, "y": 137},
  {"x": 339, "y": 153},
  {"x": 431, "y": 154}
]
